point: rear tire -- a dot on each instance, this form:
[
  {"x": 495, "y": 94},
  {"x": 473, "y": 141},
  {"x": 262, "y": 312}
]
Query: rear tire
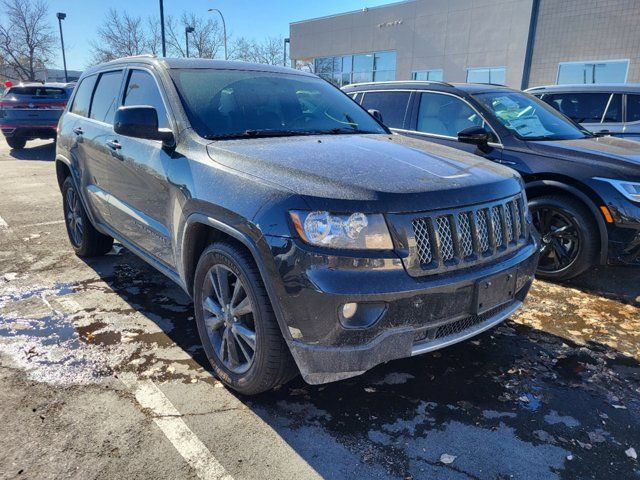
[
  {"x": 85, "y": 239},
  {"x": 242, "y": 339},
  {"x": 569, "y": 236},
  {"x": 16, "y": 143}
]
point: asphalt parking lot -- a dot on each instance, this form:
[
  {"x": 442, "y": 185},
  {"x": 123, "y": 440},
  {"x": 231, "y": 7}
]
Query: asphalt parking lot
[{"x": 102, "y": 376}]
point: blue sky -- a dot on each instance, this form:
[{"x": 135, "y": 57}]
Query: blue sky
[{"x": 248, "y": 18}]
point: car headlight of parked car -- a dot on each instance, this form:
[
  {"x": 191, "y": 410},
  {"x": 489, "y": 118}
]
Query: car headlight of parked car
[
  {"x": 630, "y": 190},
  {"x": 355, "y": 231}
]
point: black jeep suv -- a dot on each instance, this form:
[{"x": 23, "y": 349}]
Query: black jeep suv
[
  {"x": 584, "y": 191},
  {"x": 307, "y": 234}
]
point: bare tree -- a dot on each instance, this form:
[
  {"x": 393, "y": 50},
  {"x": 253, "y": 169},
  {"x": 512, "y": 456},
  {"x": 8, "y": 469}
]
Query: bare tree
[
  {"x": 154, "y": 37},
  {"x": 120, "y": 36},
  {"x": 206, "y": 40},
  {"x": 270, "y": 50},
  {"x": 26, "y": 39}
]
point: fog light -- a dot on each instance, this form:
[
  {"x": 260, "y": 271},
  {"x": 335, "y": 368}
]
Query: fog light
[{"x": 349, "y": 310}]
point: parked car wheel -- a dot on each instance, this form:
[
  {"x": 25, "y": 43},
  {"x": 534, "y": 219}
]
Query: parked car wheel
[
  {"x": 236, "y": 323},
  {"x": 85, "y": 239},
  {"x": 569, "y": 238},
  {"x": 16, "y": 143}
]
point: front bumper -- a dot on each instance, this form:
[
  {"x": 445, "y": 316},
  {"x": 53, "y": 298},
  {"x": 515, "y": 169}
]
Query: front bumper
[
  {"x": 419, "y": 315},
  {"x": 624, "y": 233}
]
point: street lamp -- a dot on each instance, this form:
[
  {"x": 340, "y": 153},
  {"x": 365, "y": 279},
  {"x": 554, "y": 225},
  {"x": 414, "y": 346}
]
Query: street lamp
[
  {"x": 61, "y": 16},
  {"x": 164, "y": 45},
  {"x": 224, "y": 31},
  {"x": 187, "y": 31}
]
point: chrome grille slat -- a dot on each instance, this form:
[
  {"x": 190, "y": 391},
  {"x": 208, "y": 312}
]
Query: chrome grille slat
[{"x": 448, "y": 240}]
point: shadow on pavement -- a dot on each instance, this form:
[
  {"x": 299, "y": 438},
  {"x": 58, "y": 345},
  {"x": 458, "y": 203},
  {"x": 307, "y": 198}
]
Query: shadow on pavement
[
  {"x": 46, "y": 152},
  {"x": 618, "y": 283},
  {"x": 515, "y": 402}
]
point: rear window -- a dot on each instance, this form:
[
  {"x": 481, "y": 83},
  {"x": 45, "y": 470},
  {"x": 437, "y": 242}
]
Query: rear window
[
  {"x": 82, "y": 100},
  {"x": 105, "y": 97},
  {"x": 42, "y": 92},
  {"x": 391, "y": 104}
]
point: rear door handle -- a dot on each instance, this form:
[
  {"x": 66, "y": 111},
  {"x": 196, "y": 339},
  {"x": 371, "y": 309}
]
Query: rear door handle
[
  {"x": 78, "y": 131},
  {"x": 114, "y": 145}
]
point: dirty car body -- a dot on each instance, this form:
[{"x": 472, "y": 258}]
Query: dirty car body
[{"x": 371, "y": 246}]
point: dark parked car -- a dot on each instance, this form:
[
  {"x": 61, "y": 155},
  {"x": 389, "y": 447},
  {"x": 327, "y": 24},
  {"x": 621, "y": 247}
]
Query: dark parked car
[
  {"x": 584, "y": 192},
  {"x": 32, "y": 110},
  {"x": 306, "y": 233},
  {"x": 609, "y": 109}
]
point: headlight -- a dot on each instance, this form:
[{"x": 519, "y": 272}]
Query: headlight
[
  {"x": 630, "y": 190},
  {"x": 355, "y": 231}
]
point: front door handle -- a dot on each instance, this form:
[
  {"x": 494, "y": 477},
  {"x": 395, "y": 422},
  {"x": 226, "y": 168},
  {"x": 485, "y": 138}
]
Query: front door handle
[
  {"x": 114, "y": 145},
  {"x": 78, "y": 131}
]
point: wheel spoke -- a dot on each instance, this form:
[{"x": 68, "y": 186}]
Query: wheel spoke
[
  {"x": 232, "y": 348},
  {"x": 212, "y": 307},
  {"x": 237, "y": 289},
  {"x": 247, "y": 355},
  {"x": 222, "y": 274},
  {"x": 249, "y": 336},
  {"x": 243, "y": 308}
]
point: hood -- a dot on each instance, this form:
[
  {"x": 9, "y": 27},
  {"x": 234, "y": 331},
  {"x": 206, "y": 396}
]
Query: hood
[
  {"x": 618, "y": 154},
  {"x": 388, "y": 173}
]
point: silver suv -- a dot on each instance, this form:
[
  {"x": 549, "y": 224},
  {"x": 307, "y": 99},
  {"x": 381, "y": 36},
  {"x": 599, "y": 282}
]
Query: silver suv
[{"x": 608, "y": 109}]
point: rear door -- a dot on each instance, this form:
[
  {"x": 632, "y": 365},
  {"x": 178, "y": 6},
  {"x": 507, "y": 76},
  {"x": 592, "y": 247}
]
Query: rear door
[
  {"x": 32, "y": 106},
  {"x": 392, "y": 104},
  {"x": 138, "y": 182},
  {"x": 439, "y": 117}
]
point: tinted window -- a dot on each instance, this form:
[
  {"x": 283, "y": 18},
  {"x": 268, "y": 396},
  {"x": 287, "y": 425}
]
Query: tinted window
[
  {"x": 614, "y": 110},
  {"x": 105, "y": 98},
  {"x": 529, "y": 118},
  {"x": 392, "y": 106},
  {"x": 580, "y": 107},
  {"x": 234, "y": 103},
  {"x": 44, "y": 92},
  {"x": 445, "y": 115},
  {"x": 82, "y": 100},
  {"x": 633, "y": 108},
  {"x": 143, "y": 90}
]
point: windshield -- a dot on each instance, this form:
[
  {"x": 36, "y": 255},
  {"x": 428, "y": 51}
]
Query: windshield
[
  {"x": 529, "y": 118},
  {"x": 235, "y": 103}
]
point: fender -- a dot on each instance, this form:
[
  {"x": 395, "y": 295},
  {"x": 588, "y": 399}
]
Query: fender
[
  {"x": 62, "y": 159},
  {"x": 252, "y": 246},
  {"x": 602, "y": 227}
]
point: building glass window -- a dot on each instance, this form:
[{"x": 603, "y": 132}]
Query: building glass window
[
  {"x": 367, "y": 67},
  {"x": 614, "y": 71},
  {"x": 495, "y": 75},
  {"x": 429, "y": 75}
]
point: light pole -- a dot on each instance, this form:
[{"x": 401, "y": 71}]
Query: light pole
[
  {"x": 187, "y": 31},
  {"x": 224, "y": 31},
  {"x": 164, "y": 45},
  {"x": 61, "y": 16},
  {"x": 284, "y": 59}
]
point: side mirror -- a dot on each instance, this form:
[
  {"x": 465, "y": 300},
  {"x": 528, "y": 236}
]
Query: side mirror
[
  {"x": 475, "y": 136},
  {"x": 140, "y": 122},
  {"x": 375, "y": 114}
]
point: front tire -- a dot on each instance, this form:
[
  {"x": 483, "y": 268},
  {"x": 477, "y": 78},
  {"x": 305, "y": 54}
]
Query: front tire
[
  {"x": 236, "y": 323},
  {"x": 569, "y": 236},
  {"x": 85, "y": 239},
  {"x": 16, "y": 143}
]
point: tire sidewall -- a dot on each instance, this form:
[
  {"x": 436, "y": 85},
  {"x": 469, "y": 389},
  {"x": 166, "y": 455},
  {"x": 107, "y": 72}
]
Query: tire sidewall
[
  {"x": 582, "y": 260},
  {"x": 219, "y": 254},
  {"x": 66, "y": 186}
]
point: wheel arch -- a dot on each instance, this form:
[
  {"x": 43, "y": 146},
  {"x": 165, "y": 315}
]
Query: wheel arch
[
  {"x": 199, "y": 232},
  {"x": 63, "y": 170},
  {"x": 544, "y": 186}
]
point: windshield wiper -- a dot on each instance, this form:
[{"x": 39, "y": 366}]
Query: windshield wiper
[{"x": 254, "y": 133}]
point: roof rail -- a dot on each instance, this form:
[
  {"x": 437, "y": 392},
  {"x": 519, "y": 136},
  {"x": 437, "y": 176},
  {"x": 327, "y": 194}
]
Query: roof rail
[{"x": 400, "y": 81}]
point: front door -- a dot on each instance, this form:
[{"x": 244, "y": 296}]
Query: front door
[{"x": 440, "y": 117}]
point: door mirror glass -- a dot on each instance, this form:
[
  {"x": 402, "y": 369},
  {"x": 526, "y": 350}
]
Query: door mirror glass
[
  {"x": 140, "y": 122},
  {"x": 375, "y": 114}
]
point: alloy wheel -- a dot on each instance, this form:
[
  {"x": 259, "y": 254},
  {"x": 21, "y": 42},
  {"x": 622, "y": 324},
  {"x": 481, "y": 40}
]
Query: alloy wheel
[
  {"x": 560, "y": 241},
  {"x": 74, "y": 217},
  {"x": 229, "y": 318}
]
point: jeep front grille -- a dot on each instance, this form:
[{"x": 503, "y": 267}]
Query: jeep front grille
[{"x": 448, "y": 240}]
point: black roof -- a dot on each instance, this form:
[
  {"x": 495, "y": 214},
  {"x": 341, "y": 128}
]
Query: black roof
[
  {"x": 427, "y": 85},
  {"x": 204, "y": 63}
]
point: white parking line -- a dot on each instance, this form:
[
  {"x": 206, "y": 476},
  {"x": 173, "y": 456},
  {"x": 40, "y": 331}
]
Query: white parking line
[
  {"x": 167, "y": 417},
  {"x": 3, "y": 224}
]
